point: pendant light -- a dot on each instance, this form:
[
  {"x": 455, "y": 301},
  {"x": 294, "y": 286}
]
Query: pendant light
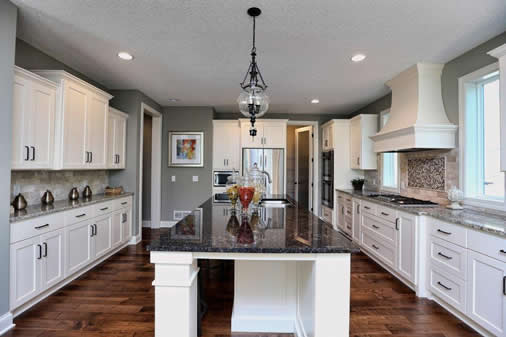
[{"x": 253, "y": 102}]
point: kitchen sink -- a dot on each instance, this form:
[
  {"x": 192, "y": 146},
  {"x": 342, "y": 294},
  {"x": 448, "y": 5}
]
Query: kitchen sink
[{"x": 275, "y": 203}]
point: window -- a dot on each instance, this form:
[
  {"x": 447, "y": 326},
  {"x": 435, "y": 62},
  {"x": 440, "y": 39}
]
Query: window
[
  {"x": 389, "y": 163},
  {"x": 482, "y": 179}
]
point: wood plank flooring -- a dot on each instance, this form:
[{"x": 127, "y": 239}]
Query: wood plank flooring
[{"x": 116, "y": 299}]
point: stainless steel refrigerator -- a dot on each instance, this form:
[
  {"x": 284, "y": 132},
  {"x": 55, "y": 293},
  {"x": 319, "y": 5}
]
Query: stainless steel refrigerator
[{"x": 271, "y": 161}]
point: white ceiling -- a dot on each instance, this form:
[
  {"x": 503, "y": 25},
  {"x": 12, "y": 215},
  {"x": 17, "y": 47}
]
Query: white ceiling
[{"x": 198, "y": 51}]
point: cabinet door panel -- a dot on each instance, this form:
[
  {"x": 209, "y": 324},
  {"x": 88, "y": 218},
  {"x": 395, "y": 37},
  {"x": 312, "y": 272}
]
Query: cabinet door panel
[
  {"x": 274, "y": 135},
  {"x": 78, "y": 246},
  {"x": 486, "y": 298},
  {"x": 52, "y": 266},
  {"x": 406, "y": 251},
  {"x": 42, "y": 121},
  {"x": 120, "y": 141},
  {"x": 24, "y": 271},
  {"x": 355, "y": 143},
  {"x": 102, "y": 236},
  {"x": 19, "y": 110},
  {"x": 126, "y": 224},
  {"x": 111, "y": 146},
  {"x": 74, "y": 127},
  {"x": 96, "y": 125},
  {"x": 116, "y": 229}
]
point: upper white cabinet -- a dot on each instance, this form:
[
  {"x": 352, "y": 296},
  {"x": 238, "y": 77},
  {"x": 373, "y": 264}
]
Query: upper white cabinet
[
  {"x": 226, "y": 147},
  {"x": 33, "y": 118},
  {"x": 80, "y": 122},
  {"x": 116, "y": 139},
  {"x": 362, "y": 155},
  {"x": 271, "y": 133},
  {"x": 328, "y": 136}
]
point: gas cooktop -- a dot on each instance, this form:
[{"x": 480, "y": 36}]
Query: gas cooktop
[{"x": 403, "y": 201}]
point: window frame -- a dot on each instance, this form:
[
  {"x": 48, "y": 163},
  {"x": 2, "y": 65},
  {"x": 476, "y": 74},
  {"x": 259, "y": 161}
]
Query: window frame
[
  {"x": 469, "y": 84},
  {"x": 382, "y": 187}
]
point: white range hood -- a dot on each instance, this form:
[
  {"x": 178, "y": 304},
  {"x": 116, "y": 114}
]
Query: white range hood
[{"x": 417, "y": 119}]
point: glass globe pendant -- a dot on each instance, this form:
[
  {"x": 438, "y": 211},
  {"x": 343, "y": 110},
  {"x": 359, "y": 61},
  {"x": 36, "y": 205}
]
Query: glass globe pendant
[{"x": 253, "y": 101}]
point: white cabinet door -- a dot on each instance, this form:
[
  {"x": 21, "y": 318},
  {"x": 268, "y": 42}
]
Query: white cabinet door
[
  {"x": 24, "y": 271},
  {"x": 52, "y": 266},
  {"x": 96, "y": 131},
  {"x": 357, "y": 220},
  {"x": 406, "y": 246},
  {"x": 102, "y": 235},
  {"x": 486, "y": 292},
  {"x": 126, "y": 224},
  {"x": 355, "y": 143},
  {"x": 120, "y": 141},
  {"x": 274, "y": 135},
  {"x": 111, "y": 138},
  {"x": 78, "y": 243},
  {"x": 74, "y": 127},
  {"x": 41, "y": 126},
  {"x": 20, "y": 148},
  {"x": 226, "y": 147},
  {"x": 116, "y": 225}
]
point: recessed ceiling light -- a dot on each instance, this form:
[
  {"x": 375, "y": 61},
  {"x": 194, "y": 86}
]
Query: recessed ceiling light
[
  {"x": 315, "y": 101},
  {"x": 125, "y": 56},
  {"x": 173, "y": 100},
  {"x": 358, "y": 58}
]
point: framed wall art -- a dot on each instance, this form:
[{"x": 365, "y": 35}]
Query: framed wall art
[{"x": 186, "y": 149}]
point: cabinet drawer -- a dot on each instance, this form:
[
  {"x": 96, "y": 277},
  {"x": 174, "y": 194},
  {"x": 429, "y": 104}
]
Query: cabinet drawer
[
  {"x": 347, "y": 200},
  {"x": 386, "y": 213},
  {"x": 122, "y": 203},
  {"x": 78, "y": 215},
  {"x": 33, "y": 227},
  {"x": 384, "y": 230},
  {"x": 348, "y": 229},
  {"x": 348, "y": 210},
  {"x": 487, "y": 244},
  {"x": 448, "y": 257},
  {"x": 103, "y": 208},
  {"x": 453, "y": 233},
  {"x": 449, "y": 288},
  {"x": 369, "y": 208},
  {"x": 327, "y": 214},
  {"x": 383, "y": 251}
]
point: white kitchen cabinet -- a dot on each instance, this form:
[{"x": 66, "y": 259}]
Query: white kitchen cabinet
[
  {"x": 24, "y": 271},
  {"x": 406, "y": 245},
  {"x": 271, "y": 133},
  {"x": 116, "y": 227},
  {"x": 33, "y": 121},
  {"x": 52, "y": 268},
  {"x": 80, "y": 122},
  {"x": 78, "y": 238},
  {"x": 357, "y": 219},
  {"x": 328, "y": 136},
  {"x": 226, "y": 145},
  {"x": 486, "y": 292},
  {"x": 101, "y": 236},
  {"x": 116, "y": 139},
  {"x": 126, "y": 224},
  {"x": 362, "y": 155}
]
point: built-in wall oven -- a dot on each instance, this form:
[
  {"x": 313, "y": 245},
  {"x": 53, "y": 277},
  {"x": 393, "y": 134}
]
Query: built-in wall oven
[
  {"x": 220, "y": 178},
  {"x": 328, "y": 179}
]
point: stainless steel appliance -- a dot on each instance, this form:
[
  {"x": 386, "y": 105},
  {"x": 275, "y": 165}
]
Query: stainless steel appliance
[
  {"x": 271, "y": 162},
  {"x": 328, "y": 179},
  {"x": 220, "y": 178},
  {"x": 221, "y": 198},
  {"x": 403, "y": 201}
]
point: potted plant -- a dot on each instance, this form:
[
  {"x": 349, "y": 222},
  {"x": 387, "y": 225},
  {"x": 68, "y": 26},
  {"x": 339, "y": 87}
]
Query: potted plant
[{"x": 358, "y": 184}]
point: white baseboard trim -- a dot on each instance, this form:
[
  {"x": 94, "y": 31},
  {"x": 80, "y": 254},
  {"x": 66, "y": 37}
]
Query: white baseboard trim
[
  {"x": 167, "y": 224},
  {"x": 299, "y": 327},
  {"x": 6, "y": 323},
  {"x": 146, "y": 223},
  {"x": 262, "y": 324},
  {"x": 135, "y": 240}
]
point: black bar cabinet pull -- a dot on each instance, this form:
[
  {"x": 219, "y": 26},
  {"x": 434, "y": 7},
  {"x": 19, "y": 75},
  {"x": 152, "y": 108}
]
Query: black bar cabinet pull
[
  {"x": 105, "y": 208},
  {"x": 504, "y": 285},
  {"x": 33, "y": 153},
  {"x": 43, "y": 226},
  {"x": 502, "y": 251},
  {"x": 442, "y": 285},
  {"x": 45, "y": 249},
  {"x": 40, "y": 252},
  {"x": 375, "y": 247},
  {"x": 27, "y": 153},
  {"x": 124, "y": 203},
  {"x": 445, "y": 256},
  {"x": 442, "y": 231},
  {"x": 374, "y": 226},
  {"x": 385, "y": 214},
  {"x": 80, "y": 215}
]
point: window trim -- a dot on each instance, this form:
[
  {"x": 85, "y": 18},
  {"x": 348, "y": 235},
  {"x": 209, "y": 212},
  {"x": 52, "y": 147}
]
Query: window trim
[
  {"x": 469, "y": 82},
  {"x": 382, "y": 187}
]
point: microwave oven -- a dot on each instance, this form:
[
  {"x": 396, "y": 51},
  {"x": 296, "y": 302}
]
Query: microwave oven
[{"x": 220, "y": 178}]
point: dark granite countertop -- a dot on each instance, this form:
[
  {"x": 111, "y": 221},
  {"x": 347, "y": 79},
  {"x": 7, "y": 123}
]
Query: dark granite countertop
[
  {"x": 61, "y": 205},
  {"x": 218, "y": 228},
  {"x": 491, "y": 223}
]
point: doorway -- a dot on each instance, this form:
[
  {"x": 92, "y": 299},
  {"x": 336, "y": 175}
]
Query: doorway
[{"x": 302, "y": 163}]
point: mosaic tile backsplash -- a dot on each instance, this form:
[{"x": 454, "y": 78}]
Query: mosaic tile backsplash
[
  {"x": 427, "y": 173},
  {"x": 32, "y": 184}
]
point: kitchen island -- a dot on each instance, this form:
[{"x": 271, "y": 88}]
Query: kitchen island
[{"x": 292, "y": 271}]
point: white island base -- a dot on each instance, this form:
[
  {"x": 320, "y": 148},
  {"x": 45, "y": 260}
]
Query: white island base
[{"x": 304, "y": 294}]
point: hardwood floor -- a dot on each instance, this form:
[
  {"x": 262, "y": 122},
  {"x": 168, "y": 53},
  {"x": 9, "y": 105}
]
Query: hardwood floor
[{"x": 116, "y": 299}]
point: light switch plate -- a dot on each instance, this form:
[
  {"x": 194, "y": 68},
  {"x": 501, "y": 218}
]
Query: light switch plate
[
  {"x": 195, "y": 179},
  {"x": 173, "y": 179}
]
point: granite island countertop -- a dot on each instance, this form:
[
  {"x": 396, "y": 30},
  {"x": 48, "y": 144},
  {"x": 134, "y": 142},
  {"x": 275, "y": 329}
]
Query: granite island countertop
[
  {"x": 61, "y": 205},
  {"x": 218, "y": 228},
  {"x": 491, "y": 223}
]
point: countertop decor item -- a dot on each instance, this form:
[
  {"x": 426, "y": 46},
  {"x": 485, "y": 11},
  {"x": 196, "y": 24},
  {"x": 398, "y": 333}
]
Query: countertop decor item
[
  {"x": 455, "y": 196},
  {"x": 47, "y": 198},
  {"x": 358, "y": 184},
  {"x": 113, "y": 190},
  {"x": 253, "y": 102},
  {"x": 19, "y": 202},
  {"x": 186, "y": 149},
  {"x": 73, "y": 194},
  {"x": 87, "y": 193}
]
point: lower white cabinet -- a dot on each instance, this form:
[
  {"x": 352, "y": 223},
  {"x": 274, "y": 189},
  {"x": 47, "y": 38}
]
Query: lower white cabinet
[
  {"x": 406, "y": 246},
  {"x": 79, "y": 250},
  {"x": 101, "y": 236},
  {"x": 486, "y": 292},
  {"x": 116, "y": 228},
  {"x": 126, "y": 224},
  {"x": 36, "y": 265}
]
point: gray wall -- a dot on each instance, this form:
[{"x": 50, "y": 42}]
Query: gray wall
[
  {"x": 185, "y": 194},
  {"x": 146, "y": 168},
  {"x": 8, "y": 21},
  {"x": 129, "y": 101}
]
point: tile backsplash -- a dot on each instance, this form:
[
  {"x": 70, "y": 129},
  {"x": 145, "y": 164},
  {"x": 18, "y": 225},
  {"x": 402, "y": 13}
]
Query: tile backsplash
[
  {"x": 32, "y": 184},
  {"x": 427, "y": 173}
]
